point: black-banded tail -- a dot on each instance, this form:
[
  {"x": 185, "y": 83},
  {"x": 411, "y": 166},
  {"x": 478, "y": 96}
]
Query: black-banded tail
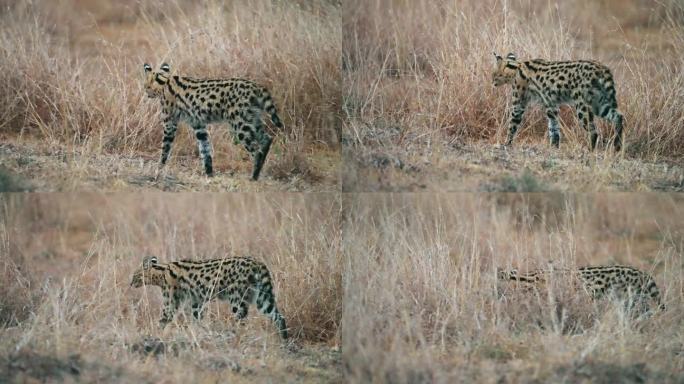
[
  {"x": 606, "y": 107},
  {"x": 607, "y": 99},
  {"x": 653, "y": 291},
  {"x": 266, "y": 103},
  {"x": 266, "y": 303}
]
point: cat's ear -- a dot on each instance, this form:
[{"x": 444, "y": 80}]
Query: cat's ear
[{"x": 149, "y": 261}]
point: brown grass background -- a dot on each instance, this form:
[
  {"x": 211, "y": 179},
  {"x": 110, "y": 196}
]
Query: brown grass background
[
  {"x": 403, "y": 284},
  {"x": 72, "y": 74},
  {"x": 419, "y": 98},
  {"x": 425, "y": 66},
  {"x": 67, "y": 261},
  {"x": 422, "y": 303}
]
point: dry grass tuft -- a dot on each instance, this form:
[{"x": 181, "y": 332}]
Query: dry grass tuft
[
  {"x": 75, "y": 254},
  {"x": 73, "y": 79},
  {"x": 425, "y": 304},
  {"x": 417, "y": 76}
]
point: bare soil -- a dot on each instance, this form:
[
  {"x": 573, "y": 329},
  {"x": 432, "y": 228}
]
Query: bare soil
[
  {"x": 486, "y": 167},
  {"x": 52, "y": 168}
]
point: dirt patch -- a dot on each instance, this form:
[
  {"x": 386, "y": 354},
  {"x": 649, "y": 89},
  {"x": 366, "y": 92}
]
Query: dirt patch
[
  {"x": 597, "y": 372},
  {"x": 487, "y": 167},
  {"x": 318, "y": 363},
  {"x": 53, "y": 168},
  {"x": 154, "y": 346},
  {"x": 28, "y": 366},
  {"x": 291, "y": 363}
]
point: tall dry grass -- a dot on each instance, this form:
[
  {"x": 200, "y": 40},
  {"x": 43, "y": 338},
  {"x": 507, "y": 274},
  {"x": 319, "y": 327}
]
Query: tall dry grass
[
  {"x": 67, "y": 261},
  {"x": 425, "y": 306},
  {"x": 72, "y": 69},
  {"x": 418, "y": 73}
]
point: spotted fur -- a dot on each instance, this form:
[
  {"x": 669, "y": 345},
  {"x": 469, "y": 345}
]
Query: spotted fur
[
  {"x": 619, "y": 281},
  {"x": 199, "y": 102},
  {"x": 238, "y": 280},
  {"x": 588, "y": 85}
]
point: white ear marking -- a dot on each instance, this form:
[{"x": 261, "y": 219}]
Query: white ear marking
[
  {"x": 149, "y": 261},
  {"x": 165, "y": 67},
  {"x": 147, "y": 67}
]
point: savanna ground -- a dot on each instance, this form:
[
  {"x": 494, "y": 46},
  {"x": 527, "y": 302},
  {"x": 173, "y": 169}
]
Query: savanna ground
[
  {"x": 426, "y": 306},
  {"x": 421, "y": 112},
  {"x": 67, "y": 312},
  {"x": 74, "y": 115}
]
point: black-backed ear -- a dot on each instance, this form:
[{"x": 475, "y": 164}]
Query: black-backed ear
[
  {"x": 498, "y": 58},
  {"x": 147, "y": 67},
  {"x": 149, "y": 261},
  {"x": 165, "y": 67},
  {"x": 511, "y": 56}
]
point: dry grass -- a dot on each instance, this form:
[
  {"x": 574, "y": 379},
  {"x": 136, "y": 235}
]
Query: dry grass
[
  {"x": 426, "y": 307},
  {"x": 403, "y": 282},
  {"x": 67, "y": 309},
  {"x": 73, "y": 79},
  {"x": 418, "y": 87}
]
